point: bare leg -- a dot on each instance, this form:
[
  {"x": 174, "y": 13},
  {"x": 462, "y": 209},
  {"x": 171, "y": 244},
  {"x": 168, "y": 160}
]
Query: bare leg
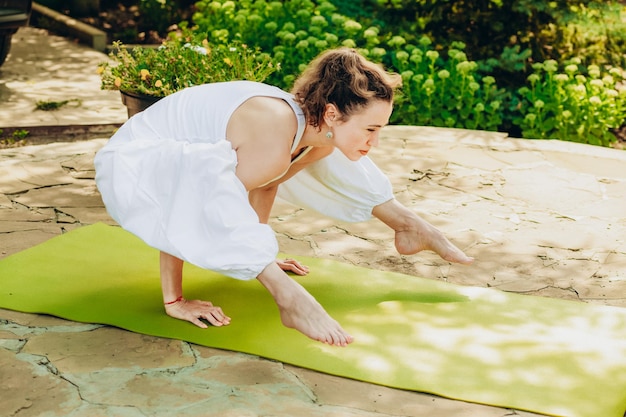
[
  {"x": 178, "y": 307},
  {"x": 413, "y": 234},
  {"x": 299, "y": 310}
]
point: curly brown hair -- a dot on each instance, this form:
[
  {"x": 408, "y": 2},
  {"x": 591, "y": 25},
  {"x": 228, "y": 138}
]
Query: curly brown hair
[{"x": 344, "y": 78}]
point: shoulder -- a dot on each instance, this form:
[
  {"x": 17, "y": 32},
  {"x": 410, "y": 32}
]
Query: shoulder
[
  {"x": 269, "y": 106},
  {"x": 263, "y": 119},
  {"x": 262, "y": 131}
]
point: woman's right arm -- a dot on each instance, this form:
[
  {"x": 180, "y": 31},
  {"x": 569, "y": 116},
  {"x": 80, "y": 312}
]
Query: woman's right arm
[
  {"x": 178, "y": 307},
  {"x": 262, "y": 200},
  {"x": 171, "y": 269}
]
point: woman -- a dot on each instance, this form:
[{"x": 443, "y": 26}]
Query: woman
[{"x": 196, "y": 175}]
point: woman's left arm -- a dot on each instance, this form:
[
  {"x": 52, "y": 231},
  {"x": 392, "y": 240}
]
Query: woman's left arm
[{"x": 262, "y": 200}]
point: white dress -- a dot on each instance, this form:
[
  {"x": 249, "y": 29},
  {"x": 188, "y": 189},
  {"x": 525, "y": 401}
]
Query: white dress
[{"x": 168, "y": 176}]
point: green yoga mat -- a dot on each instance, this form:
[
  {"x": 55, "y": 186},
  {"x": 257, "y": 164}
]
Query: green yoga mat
[{"x": 480, "y": 345}]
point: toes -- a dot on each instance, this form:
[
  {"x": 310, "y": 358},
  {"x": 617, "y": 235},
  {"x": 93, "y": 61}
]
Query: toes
[{"x": 339, "y": 337}]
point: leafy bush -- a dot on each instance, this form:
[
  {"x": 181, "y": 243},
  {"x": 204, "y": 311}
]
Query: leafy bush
[
  {"x": 445, "y": 93},
  {"x": 595, "y": 33},
  {"x": 292, "y": 31},
  {"x": 506, "y": 37},
  {"x": 159, "y": 14},
  {"x": 183, "y": 60},
  {"x": 547, "y": 29},
  {"x": 443, "y": 85},
  {"x": 571, "y": 106},
  {"x": 437, "y": 91}
]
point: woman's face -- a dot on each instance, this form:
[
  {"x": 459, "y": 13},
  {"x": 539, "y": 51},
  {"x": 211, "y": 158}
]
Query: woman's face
[{"x": 357, "y": 135}]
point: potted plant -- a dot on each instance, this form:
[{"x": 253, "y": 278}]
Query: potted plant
[{"x": 144, "y": 75}]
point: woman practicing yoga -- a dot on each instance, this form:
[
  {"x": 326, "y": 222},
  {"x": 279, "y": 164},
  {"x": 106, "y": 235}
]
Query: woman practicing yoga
[{"x": 196, "y": 175}]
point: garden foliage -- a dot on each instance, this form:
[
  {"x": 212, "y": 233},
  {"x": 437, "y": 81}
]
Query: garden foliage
[
  {"x": 563, "y": 103},
  {"x": 445, "y": 84},
  {"x": 183, "y": 60},
  {"x": 296, "y": 31},
  {"x": 447, "y": 92},
  {"x": 506, "y": 78}
]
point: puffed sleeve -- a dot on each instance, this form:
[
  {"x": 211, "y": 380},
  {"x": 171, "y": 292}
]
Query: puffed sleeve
[
  {"x": 185, "y": 199},
  {"x": 339, "y": 188}
]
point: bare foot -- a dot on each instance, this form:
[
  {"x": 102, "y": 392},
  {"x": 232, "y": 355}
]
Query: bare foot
[
  {"x": 300, "y": 311},
  {"x": 306, "y": 315}
]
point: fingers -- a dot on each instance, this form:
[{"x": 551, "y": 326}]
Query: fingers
[
  {"x": 194, "y": 311},
  {"x": 216, "y": 317},
  {"x": 198, "y": 322},
  {"x": 451, "y": 253},
  {"x": 294, "y": 266}
]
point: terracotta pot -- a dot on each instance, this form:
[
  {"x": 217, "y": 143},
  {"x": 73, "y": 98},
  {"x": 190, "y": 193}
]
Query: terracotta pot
[{"x": 136, "y": 103}]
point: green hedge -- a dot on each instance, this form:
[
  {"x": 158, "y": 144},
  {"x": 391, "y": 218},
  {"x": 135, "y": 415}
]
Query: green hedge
[{"x": 443, "y": 86}]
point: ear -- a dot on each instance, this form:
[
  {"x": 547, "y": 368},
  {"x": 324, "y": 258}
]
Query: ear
[{"x": 331, "y": 114}]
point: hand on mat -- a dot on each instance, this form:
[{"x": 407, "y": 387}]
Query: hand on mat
[
  {"x": 292, "y": 265},
  {"x": 194, "y": 310}
]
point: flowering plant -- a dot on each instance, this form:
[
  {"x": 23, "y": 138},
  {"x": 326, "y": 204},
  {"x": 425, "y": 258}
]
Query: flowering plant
[
  {"x": 181, "y": 61},
  {"x": 572, "y": 102}
]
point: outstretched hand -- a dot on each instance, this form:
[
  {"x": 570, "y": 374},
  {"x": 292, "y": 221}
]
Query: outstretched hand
[
  {"x": 194, "y": 310},
  {"x": 409, "y": 242},
  {"x": 292, "y": 265},
  {"x": 414, "y": 234}
]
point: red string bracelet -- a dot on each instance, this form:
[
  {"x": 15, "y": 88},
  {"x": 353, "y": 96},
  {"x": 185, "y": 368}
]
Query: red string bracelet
[{"x": 180, "y": 298}]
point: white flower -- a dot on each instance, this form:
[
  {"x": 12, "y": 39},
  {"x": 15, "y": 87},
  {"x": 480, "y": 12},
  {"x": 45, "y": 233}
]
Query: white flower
[
  {"x": 199, "y": 49},
  {"x": 595, "y": 100}
]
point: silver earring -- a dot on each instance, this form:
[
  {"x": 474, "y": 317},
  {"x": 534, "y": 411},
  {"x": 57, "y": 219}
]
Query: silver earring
[{"x": 329, "y": 134}]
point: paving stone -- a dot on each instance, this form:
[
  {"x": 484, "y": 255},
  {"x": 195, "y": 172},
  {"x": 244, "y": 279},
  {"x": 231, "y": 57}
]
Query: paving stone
[
  {"x": 567, "y": 193},
  {"x": 21, "y": 176},
  {"x": 71, "y": 195},
  {"x": 36, "y": 320},
  {"x": 294, "y": 245},
  {"x": 97, "y": 410},
  {"x": 10, "y": 216},
  {"x": 30, "y": 389},
  {"x": 5, "y": 203},
  {"x": 255, "y": 375},
  {"x": 81, "y": 166},
  {"x": 107, "y": 347},
  {"x": 16, "y": 241},
  {"x": 332, "y": 390},
  {"x": 604, "y": 165},
  {"x": 88, "y": 215},
  {"x": 141, "y": 390},
  {"x": 338, "y": 241}
]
